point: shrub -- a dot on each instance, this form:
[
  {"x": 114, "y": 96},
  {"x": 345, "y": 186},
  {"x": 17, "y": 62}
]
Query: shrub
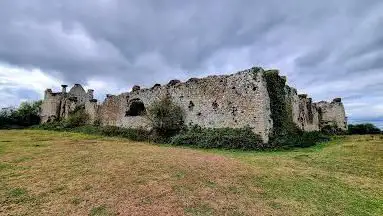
[
  {"x": 129, "y": 133},
  {"x": 226, "y": 138},
  {"x": 97, "y": 122},
  {"x": 363, "y": 129},
  {"x": 167, "y": 119},
  {"x": 86, "y": 129},
  {"x": 298, "y": 139},
  {"x": 111, "y": 131},
  {"x": 332, "y": 130},
  {"x": 77, "y": 118},
  {"x": 56, "y": 126}
]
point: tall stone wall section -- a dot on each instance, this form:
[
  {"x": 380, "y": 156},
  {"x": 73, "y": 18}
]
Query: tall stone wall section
[
  {"x": 236, "y": 101},
  {"x": 332, "y": 114},
  {"x": 309, "y": 116},
  {"x": 50, "y": 108}
]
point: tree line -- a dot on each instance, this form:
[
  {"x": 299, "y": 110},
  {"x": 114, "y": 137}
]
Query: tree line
[{"x": 27, "y": 114}]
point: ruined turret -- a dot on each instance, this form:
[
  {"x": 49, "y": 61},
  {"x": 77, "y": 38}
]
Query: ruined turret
[
  {"x": 90, "y": 94},
  {"x": 47, "y": 93},
  {"x": 332, "y": 114},
  {"x": 63, "y": 88}
]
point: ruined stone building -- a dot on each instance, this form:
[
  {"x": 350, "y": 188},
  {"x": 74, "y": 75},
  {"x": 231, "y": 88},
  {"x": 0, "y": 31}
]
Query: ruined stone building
[{"x": 237, "y": 100}]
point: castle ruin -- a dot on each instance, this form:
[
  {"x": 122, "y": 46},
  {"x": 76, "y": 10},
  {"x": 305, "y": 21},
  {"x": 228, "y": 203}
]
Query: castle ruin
[{"x": 238, "y": 100}]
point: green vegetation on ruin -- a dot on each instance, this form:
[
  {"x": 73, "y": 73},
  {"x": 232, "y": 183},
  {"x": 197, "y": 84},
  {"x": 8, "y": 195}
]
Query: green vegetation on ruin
[
  {"x": 64, "y": 173},
  {"x": 282, "y": 120},
  {"x": 285, "y": 133}
]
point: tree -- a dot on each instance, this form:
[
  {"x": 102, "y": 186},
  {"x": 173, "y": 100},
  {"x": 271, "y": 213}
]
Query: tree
[
  {"x": 26, "y": 114},
  {"x": 167, "y": 118},
  {"x": 363, "y": 129}
]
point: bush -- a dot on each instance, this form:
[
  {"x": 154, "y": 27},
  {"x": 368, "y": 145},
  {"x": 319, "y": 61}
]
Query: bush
[
  {"x": 167, "y": 119},
  {"x": 86, "y": 129},
  {"x": 110, "y": 131},
  {"x": 298, "y": 139},
  {"x": 55, "y": 126},
  {"x": 76, "y": 118},
  {"x": 97, "y": 122},
  {"x": 226, "y": 138},
  {"x": 129, "y": 133},
  {"x": 363, "y": 129}
]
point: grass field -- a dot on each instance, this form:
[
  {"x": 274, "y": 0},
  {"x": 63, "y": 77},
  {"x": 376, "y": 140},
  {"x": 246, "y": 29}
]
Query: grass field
[{"x": 53, "y": 173}]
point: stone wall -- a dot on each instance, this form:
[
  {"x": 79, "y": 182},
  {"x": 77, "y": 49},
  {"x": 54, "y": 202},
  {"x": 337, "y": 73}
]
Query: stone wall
[
  {"x": 235, "y": 101},
  {"x": 112, "y": 109},
  {"x": 308, "y": 114},
  {"x": 78, "y": 92},
  {"x": 50, "y": 108},
  {"x": 304, "y": 112},
  {"x": 332, "y": 114},
  {"x": 59, "y": 105},
  {"x": 92, "y": 108},
  {"x": 292, "y": 101}
]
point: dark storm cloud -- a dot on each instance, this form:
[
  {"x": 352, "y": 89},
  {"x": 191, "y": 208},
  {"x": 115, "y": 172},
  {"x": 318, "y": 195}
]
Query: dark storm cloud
[
  {"x": 117, "y": 35},
  {"x": 84, "y": 38},
  {"x": 11, "y": 96},
  {"x": 313, "y": 58},
  {"x": 323, "y": 46}
]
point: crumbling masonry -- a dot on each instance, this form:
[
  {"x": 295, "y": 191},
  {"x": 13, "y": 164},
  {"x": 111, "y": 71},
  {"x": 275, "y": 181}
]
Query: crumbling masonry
[{"x": 237, "y": 100}]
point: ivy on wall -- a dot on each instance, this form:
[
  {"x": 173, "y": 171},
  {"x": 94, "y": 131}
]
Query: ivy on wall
[
  {"x": 285, "y": 132},
  {"x": 255, "y": 71},
  {"x": 280, "y": 112}
]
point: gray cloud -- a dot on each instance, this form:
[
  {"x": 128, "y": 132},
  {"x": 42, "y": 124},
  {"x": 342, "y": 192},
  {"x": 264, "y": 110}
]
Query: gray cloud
[
  {"x": 323, "y": 46},
  {"x": 11, "y": 96}
]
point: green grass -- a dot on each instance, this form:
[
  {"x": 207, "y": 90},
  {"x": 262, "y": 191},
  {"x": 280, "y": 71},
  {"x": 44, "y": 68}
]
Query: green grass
[
  {"x": 99, "y": 211},
  {"x": 61, "y": 173}
]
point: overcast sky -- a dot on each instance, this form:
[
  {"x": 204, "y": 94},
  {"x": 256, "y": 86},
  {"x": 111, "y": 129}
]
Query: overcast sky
[{"x": 327, "y": 48}]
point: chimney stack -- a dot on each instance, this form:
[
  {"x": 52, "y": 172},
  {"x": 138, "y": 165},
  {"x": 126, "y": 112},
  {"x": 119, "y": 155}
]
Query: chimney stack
[
  {"x": 63, "y": 90},
  {"x": 47, "y": 93},
  {"x": 90, "y": 94}
]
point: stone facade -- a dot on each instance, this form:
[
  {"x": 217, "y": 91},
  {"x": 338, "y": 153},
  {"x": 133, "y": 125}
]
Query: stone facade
[
  {"x": 236, "y": 101},
  {"x": 58, "y": 105},
  {"x": 332, "y": 114}
]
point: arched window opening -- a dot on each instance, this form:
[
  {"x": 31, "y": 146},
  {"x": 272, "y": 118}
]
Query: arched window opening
[{"x": 136, "y": 108}]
